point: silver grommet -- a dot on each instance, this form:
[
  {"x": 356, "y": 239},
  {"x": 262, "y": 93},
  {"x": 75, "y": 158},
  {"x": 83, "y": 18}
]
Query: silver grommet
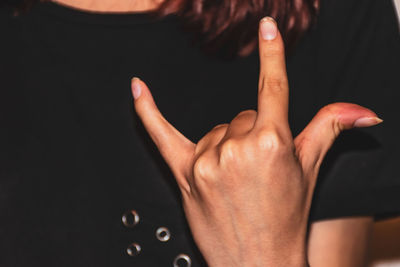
[
  {"x": 133, "y": 249},
  {"x": 163, "y": 234},
  {"x": 130, "y": 218},
  {"x": 182, "y": 260}
]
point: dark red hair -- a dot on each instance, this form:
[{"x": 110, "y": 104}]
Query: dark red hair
[{"x": 231, "y": 25}]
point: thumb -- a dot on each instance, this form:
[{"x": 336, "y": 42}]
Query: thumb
[
  {"x": 316, "y": 139},
  {"x": 175, "y": 148}
]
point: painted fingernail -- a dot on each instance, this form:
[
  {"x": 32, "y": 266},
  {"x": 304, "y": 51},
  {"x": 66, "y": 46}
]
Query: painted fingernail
[
  {"x": 367, "y": 121},
  {"x": 136, "y": 88},
  {"x": 268, "y": 28}
]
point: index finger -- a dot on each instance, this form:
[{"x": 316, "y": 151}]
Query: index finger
[{"x": 273, "y": 91}]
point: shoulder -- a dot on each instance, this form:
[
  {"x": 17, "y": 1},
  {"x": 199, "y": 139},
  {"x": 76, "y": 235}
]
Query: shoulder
[
  {"x": 354, "y": 34},
  {"x": 358, "y": 13},
  {"x": 355, "y": 7}
]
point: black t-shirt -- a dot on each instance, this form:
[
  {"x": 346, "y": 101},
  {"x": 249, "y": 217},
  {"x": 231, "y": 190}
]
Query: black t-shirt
[{"x": 74, "y": 156}]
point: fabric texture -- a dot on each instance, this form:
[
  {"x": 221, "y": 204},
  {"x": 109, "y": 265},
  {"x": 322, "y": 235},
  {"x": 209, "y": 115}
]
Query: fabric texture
[{"x": 74, "y": 156}]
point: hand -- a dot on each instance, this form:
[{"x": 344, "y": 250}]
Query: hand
[{"x": 247, "y": 186}]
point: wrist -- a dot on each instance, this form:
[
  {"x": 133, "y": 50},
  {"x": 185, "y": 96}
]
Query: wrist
[
  {"x": 294, "y": 257},
  {"x": 279, "y": 252},
  {"x": 262, "y": 254}
]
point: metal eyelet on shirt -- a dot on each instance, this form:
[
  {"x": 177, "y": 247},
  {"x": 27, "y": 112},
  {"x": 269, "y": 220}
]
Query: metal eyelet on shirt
[
  {"x": 130, "y": 218},
  {"x": 133, "y": 249},
  {"x": 163, "y": 234},
  {"x": 182, "y": 260}
]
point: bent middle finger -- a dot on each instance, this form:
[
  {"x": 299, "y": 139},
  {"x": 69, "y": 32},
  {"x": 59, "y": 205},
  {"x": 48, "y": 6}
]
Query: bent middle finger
[{"x": 241, "y": 124}]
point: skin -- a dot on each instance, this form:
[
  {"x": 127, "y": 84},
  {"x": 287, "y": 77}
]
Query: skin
[
  {"x": 247, "y": 185},
  {"x": 345, "y": 243},
  {"x": 112, "y": 5}
]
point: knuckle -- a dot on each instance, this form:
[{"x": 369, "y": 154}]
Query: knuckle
[
  {"x": 270, "y": 140},
  {"x": 328, "y": 110},
  {"x": 335, "y": 110},
  {"x": 229, "y": 149},
  {"x": 215, "y": 134},
  {"x": 274, "y": 50},
  {"x": 273, "y": 84},
  {"x": 202, "y": 167},
  {"x": 332, "y": 112}
]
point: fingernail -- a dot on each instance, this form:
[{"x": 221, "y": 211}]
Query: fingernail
[
  {"x": 136, "y": 88},
  {"x": 268, "y": 28},
  {"x": 367, "y": 121}
]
